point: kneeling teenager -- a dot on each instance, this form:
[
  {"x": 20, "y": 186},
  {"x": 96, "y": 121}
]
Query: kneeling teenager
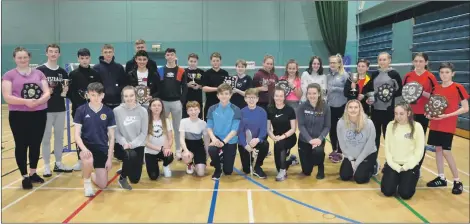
[
  {"x": 404, "y": 148},
  {"x": 356, "y": 136}
]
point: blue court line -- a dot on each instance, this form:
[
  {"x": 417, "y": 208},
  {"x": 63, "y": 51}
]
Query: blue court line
[
  {"x": 210, "y": 219},
  {"x": 292, "y": 199}
]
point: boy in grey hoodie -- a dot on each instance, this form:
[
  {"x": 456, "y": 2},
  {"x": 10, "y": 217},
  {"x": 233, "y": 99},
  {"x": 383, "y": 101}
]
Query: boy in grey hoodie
[
  {"x": 131, "y": 132},
  {"x": 358, "y": 144}
]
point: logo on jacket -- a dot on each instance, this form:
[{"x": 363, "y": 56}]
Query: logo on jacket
[
  {"x": 129, "y": 120},
  {"x": 353, "y": 137},
  {"x": 408, "y": 136}
]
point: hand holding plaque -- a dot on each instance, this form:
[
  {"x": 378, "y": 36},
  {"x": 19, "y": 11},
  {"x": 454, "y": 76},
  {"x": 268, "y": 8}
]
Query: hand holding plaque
[
  {"x": 385, "y": 92},
  {"x": 411, "y": 92},
  {"x": 284, "y": 84},
  {"x": 31, "y": 91},
  {"x": 436, "y": 106},
  {"x": 143, "y": 94}
]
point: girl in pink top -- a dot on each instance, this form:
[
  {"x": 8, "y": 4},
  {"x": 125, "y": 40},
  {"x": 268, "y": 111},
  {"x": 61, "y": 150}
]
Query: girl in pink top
[
  {"x": 26, "y": 92},
  {"x": 293, "y": 77}
]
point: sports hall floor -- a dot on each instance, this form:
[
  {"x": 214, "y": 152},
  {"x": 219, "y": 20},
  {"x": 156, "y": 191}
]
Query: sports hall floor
[{"x": 234, "y": 199}]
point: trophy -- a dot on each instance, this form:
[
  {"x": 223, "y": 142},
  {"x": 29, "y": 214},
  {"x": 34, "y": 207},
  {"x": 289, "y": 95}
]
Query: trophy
[
  {"x": 83, "y": 94},
  {"x": 143, "y": 93},
  {"x": 284, "y": 84},
  {"x": 411, "y": 92},
  {"x": 31, "y": 91},
  {"x": 66, "y": 82},
  {"x": 436, "y": 106},
  {"x": 354, "y": 77},
  {"x": 385, "y": 92},
  {"x": 371, "y": 98},
  {"x": 231, "y": 80}
]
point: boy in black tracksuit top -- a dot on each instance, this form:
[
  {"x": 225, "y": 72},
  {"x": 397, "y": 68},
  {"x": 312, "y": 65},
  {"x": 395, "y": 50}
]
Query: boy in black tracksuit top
[
  {"x": 113, "y": 77},
  {"x": 79, "y": 80},
  {"x": 194, "y": 83}
]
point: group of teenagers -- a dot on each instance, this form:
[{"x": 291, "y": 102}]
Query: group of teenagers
[{"x": 109, "y": 121}]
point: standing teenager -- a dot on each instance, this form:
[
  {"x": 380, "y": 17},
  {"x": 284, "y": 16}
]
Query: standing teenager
[
  {"x": 26, "y": 92},
  {"x": 363, "y": 86},
  {"x": 313, "y": 74},
  {"x": 194, "y": 82},
  {"x": 211, "y": 80},
  {"x": 442, "y": 128},
  {"x": 244, "y": 82},
  {"x": 80, "y": 78},
  {"x": 131, "y": 133},
  {"x": 292, "y": 76},
  {"x": 281, "y": 129},
  {"x": 55, "y": 111},
  {"x": 94, "y": 134},
  {"x": 336, "y": 101},
  {"x": 140, "y": 45},
  {"x": 172, "y": 91},
  {"x": 265, "y": 80},
  {"x": 254, "y": 119},
  {"x": 314, "y": 118},
  {"x": 356, "y": 135},
  {"x": 404, "y": 148},
  {"x": 159, "y": 140}
]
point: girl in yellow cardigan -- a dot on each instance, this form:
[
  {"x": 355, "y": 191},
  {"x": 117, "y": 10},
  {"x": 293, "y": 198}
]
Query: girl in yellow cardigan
[{"x": 404, "y": 148}]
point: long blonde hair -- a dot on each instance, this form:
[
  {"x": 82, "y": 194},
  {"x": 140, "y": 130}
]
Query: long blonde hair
[
  {"x": 361, "y": 121},
  {"x": 339, "y": 59}
]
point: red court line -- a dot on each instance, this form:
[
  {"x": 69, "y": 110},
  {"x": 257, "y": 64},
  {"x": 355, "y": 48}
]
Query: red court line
[{"x": 81, "y": 207}]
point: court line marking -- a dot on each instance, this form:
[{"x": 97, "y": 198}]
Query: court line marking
[
  {"x": 411, "y": 209},
  {"x": 251, "y": 216},
  {"x": 293, "y": 199},
  {"x": 82, "y": 206},
  {"x": 29, "y": 193},
  {"x": 210, "y": 218},
  {"x": 446, "y": 164},
  {"x": 235, "y": 189},
  {"x": 21, "y": 178}
]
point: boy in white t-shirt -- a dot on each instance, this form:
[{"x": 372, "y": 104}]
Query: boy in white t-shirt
[{"x": 194, "y": 137}]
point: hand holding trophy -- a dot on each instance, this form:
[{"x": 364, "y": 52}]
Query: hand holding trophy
[
  {"x": 65, "y": 87},
  {"x": 354, "y": 78}
]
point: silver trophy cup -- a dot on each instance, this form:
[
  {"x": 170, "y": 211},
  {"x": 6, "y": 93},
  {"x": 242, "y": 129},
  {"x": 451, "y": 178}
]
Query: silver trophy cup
[{"x": 354, "y": 77}]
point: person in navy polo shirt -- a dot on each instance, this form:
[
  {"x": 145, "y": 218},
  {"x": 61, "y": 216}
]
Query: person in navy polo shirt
[
  {"x": 94, "y": 134},
  {"x": 223, "y": 120}
]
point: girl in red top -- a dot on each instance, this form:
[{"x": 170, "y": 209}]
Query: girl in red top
[
  {"x": 443, "y": 127},
  {"x": 429, "y": 83}
]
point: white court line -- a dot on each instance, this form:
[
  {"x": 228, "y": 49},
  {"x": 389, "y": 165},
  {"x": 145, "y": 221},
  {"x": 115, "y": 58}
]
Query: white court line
[
  {"x": 251, "y": 216},
  {"x": 29, "y": 193},
  {"x": 42, "y": 168},
  {"x": 445, "y": 163},
  {"x": 231, "y": 190}
]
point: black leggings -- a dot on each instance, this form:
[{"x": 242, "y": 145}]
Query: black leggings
[
  {"x": 281, "y": 152},
  {"x": 311, "y": 157},
  {"x": 28, "y": 129},
  {"x": 229, "y": 152},
  {"x": 151, "y": 162},
  {"x": 381, "y": 118},
  {"x": 405, "y": 181},
  {"x": 132, "y": 160},
  {"x": 363, "y": 172},
  {"x": 336, "y": 114},
  {"x": 245, "y": 156}
]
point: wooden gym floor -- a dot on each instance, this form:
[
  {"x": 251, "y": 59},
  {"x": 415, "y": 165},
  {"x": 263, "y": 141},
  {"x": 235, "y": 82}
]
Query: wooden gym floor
[{"x": 237, "y": 198}]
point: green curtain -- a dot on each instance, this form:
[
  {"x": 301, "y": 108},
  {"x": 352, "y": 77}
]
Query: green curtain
[{"x": 333, "y": 20}]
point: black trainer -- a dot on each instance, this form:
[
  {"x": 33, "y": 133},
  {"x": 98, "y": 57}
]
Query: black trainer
[
  {"x": 438, "y": 182},
  {"x": 62, "y": 169},
  {"x": 27, "y": 185},
  {"x": 217, "y": 174},
  {"x": 258, "y": 171},
  {"x": 458, "y": 187},
  {"x": 35, "y": 178}
]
